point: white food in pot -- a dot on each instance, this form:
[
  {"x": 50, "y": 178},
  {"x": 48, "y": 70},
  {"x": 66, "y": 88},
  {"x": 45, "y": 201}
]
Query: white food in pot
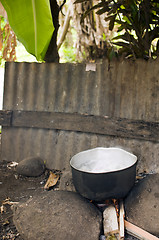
[{"x": 103, "y": 160}]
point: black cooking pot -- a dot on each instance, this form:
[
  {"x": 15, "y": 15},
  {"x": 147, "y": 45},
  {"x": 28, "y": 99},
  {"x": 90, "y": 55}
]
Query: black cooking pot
[{"x": 103, "y": 173}]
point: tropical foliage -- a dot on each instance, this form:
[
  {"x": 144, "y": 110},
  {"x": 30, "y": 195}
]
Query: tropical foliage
[
  {"x": 134, "y": 22},
  {"x": 137, "y": 23},
  {"x": 7, "y": 42},
  {"x": 32, "y": 23}
]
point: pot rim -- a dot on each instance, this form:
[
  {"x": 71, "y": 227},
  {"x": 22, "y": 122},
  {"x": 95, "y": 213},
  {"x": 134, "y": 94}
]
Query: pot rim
[{"x": 104, "y": 172}]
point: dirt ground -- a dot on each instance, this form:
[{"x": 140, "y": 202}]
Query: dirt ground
[{"x": 15, "y": 188}]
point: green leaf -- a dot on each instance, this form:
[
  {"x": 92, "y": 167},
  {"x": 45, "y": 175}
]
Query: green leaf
[
  {"x": 111, "y": 23},
  {"x": 111, "y": 53},
  {"x": 126, "y": 37},
  {"x": 123, "y": 26},
  {"x": 108, "y": 18},
  {"x": 122, "y": 44},
  {"x": 126, "y": 19},
  {"x": 103, "y": 10},
  {"x": 123, "y": 37},
  {"x": 100, "y": 4},
  {"x": 120, "y": 28},
  {"x": 32, "y": 22},
  {"x": 114, "y": 8}
]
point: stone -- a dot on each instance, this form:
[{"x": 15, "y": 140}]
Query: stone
[
  {"x": 142, "y": 204},
  {"x": 31, "y": 167},
  {"x": 66, "y": 182},
  {"x": 57, "y": 215}
]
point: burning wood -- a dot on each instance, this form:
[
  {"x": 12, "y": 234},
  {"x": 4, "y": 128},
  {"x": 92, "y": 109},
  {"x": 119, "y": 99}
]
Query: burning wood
[
  {"x": 121, "y": 221},
  {"x": 113, "y": 218},
  {"x": 116, "y": 205},
  {"x": 110, "y": 220},
  {"x": 115, "y": 225}
]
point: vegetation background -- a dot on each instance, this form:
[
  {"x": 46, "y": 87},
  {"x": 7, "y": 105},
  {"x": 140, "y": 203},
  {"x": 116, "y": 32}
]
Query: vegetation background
[{"x": 91, "y": 30}]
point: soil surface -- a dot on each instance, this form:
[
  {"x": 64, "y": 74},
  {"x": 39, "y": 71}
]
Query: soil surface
[{"x": 14, "y": 188}]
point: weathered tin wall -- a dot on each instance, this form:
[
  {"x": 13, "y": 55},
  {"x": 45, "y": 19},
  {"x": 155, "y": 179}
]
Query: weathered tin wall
[{"x": 126, "y": 90}]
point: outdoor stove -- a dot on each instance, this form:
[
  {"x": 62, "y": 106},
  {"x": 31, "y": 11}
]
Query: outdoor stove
[
  {"x": 113, "y": 218},
  {"x": 103, "y": 173},
  {"x": 105, "y": 176},
  {"x": 115, "y": 225}
]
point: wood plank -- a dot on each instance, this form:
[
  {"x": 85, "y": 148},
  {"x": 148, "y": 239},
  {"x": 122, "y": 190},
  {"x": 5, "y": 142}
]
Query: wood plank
[
  {"x": 88, "y": 123},
  {"x": 138, "y": 232},
  {"x": 135, "y": 129},
  {"x": 5, "y": 118}
]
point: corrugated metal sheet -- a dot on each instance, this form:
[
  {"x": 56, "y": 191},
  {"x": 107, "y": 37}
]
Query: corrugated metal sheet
[
  {"x": 120, "y": 89},
  {"x": 126, "y": 89}
]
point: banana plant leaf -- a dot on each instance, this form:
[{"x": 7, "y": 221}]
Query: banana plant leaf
[{"x": 32, "y": 23}]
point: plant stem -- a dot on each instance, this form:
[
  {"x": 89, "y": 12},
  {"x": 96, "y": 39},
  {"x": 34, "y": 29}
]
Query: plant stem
[{"x": 52, "y": 52}]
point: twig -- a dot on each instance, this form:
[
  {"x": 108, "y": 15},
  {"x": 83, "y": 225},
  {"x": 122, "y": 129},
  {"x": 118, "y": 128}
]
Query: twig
[
  {"x": 61, "y": 6},
  {"x": 138, "y": 232},
  {"x": 64, "y": 29},
  {"x": 121, "y": 220}
]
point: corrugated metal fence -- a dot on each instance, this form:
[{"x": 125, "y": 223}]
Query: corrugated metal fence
[{"x": 119, "y": 89}]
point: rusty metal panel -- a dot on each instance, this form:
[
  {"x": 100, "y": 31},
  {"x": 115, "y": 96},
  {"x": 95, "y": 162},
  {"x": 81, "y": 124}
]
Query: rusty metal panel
[
  {"x": 127, "y": 90},
  {"x": 119, "y": 89}
]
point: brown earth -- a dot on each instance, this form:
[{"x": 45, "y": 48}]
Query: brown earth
[{"x": 15, "y": 188}]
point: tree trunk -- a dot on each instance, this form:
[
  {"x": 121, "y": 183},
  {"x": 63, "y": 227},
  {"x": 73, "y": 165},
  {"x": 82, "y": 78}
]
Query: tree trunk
[
  {"x": 52, "y": 52},
  {"x": 90, "y": 31}
]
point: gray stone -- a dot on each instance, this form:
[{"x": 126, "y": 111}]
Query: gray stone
[
  {"x": 142, "y": 204},
  {"x": 31, "y": 167},
  {"x": 57, "y": 215},
  {"x": 66, "y": 182}
]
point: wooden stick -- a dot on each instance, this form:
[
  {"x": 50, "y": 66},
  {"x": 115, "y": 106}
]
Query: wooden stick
[
  {"x": 121, "y": 220},
  {"x": 138, "y": 232}
]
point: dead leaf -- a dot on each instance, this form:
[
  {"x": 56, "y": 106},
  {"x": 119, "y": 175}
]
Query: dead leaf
[
  {"x": 140, "y": 177},
  {"x": 7, "y": 201},
  {"x": 52, "y": 180},
  {"x": 3, "y": 209}
]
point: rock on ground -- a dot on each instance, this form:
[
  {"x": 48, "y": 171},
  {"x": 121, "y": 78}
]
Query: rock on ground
[
  {"x": 142, "y": 204},
  {"x": 57, "y": 215},
  {"x": 31, "y": 167},
  {"x": 66, "y": 182}
]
